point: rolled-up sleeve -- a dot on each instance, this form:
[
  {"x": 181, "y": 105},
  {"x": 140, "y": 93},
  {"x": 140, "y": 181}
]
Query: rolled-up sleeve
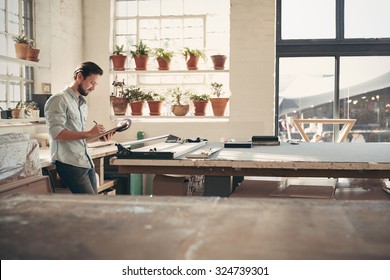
[{"x": 55, "y": 114}]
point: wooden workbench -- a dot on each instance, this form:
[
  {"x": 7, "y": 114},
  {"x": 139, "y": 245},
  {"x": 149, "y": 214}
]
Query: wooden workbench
[
  {"x": 334, "y": 160},
  {"x": 347, "y": 160},
  {"x": 139, "y": 227}
]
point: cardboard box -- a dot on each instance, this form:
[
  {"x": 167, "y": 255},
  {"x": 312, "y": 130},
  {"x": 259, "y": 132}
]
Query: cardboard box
[{"x": 170, "y": 185}]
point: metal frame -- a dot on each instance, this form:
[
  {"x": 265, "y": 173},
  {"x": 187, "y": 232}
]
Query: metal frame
[{"x": 337, "y": 48}]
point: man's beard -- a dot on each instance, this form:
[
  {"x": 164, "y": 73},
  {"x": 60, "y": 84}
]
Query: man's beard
[{"x": 82, "y": 91}]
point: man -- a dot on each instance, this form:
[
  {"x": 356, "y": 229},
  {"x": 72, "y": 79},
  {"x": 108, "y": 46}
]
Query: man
[{"x": 66, "y": 118}]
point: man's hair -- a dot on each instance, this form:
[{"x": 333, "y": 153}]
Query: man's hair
[{"x": 87, "y": 68}]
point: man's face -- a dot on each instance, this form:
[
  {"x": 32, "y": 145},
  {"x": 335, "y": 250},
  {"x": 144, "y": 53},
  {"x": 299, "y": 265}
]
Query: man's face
[{"x": 88, "y": 84}]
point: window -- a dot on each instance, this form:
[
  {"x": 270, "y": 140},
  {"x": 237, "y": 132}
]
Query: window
[
  {"x": 16, "y": 79},
  {"x": 335, "y": 66},
  {"x": 173, "y": 25}
]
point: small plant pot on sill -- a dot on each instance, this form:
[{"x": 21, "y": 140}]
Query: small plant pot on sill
[
  {"x": 155, "y": 107},
  {"x": 21, "y": 50},
  {"x": 119, "y": 105},
  {"x": 180, "y": 110},
  {"x": 219, "y": 105},
  {"x": 192, "y": 62},
  {"x": 32, "y": 54},
  {"x": 137, "y": 108},
  {"x": 118, "y": 62},
  {"x": 218, "y": 61},
  {"x": 141, "y": 62},
  {"x": 200, "y": 107},
  {"x": 163, "y": 64}
]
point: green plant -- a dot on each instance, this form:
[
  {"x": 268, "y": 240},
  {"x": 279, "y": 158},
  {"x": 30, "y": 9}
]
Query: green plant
[
  {"x": 196, "y": 52},
  {"x": 118, "y": 50},
  {"x": 134, "y": 94},
  {"x": 140, "y": 49},
  {"x": 217, "y": 89},
  {"x": 179, "y": 96},
  {"x": 118, "y": 87},
  {"x": 154, "y": 96},
  {"x": 200, "y": 97},
  {"x": 163, "y": 54},
  {"x": 22, "y": 39}
]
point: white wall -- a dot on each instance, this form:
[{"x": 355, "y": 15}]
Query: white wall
[{"x": 72, "y": 31}]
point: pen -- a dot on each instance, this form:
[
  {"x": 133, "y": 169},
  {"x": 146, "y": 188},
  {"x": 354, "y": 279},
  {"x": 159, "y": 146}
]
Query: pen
[{"x": 95, "y": 122}]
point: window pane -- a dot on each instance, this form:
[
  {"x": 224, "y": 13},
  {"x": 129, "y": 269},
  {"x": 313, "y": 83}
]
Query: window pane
[
  {"x": 365, "y": 96},
  {"x": 171, "y": 7},
  {"x": 367, "y": 19},
  {"x": 149, "y": 7},
  {"x": 306, "y": 90},
  {"x": 126, "y": 8},
  {"x": 308, "y": 19}
]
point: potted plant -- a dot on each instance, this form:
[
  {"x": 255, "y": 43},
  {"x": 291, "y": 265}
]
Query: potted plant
[
  {"x": 32, "y": 52},
  {"x": 17, "y": 111},
  {"x": 31, "y": 109},
  {"x": 140, "y": 55},
  {"x": 21, "y": 46},
  {"x": 155, "y": 102},
  {"x": 136, "y": 97},
  {"x": 163, "y": 57},
  {"x": 119, "y": 103},
  {"x": 200, "y": 103},
  {"x": 218, "y": 61},
  {"x": 218, "y": 103},
  {"x": 192, "y": 56},
  {"x": 118, "y": 58},
  {"x": 179, "y": 99}
]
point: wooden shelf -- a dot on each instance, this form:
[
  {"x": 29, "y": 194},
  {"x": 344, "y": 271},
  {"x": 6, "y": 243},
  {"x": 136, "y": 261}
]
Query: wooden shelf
[
  {"x": 169, "y": 72},
  {"x": 23, "y": 61},
  {"x": 21, "y": 121}
]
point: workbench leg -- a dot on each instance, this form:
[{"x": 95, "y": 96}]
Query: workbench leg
[
  {"x": 236, "y": 181},
  {"x": 217, "y": 186}
]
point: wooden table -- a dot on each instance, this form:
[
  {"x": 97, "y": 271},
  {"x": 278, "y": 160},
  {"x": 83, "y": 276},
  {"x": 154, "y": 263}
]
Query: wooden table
[
  {"x": 343, "y": 134},
  {"x": 140, "y": 227},
  {"x": 335, "y": 160}
]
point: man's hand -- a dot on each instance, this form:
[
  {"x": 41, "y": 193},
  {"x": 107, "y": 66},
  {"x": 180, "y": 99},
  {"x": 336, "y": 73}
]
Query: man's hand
[{"x": 107, "y": 137}]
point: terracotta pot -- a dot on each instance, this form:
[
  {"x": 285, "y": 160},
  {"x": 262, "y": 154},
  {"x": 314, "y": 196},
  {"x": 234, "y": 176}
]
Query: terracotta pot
[
  {"x": 119, "y": 104},
  {"x": 163, "y": 64},
  {"x": 118, "y": 62},
  {"x": 200, "y": 107},
  {"x": 21, "y": 50},
  {"x": 192, "y": 62},
  {"x": 155, "y": 107},
  {"x": 219, "y": 105},
  {"x": 15, "y": 113},
  {"x": 32, "y": 54},
  {"x": 141, "y": 62},
  {"x": 218, "y": 61},
  {"x": 180, "y": 110},
  {"x": 137, "y": 108}
]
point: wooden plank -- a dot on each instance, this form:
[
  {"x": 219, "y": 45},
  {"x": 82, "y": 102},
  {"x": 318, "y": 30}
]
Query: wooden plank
[{"x": 138, "y": 227}]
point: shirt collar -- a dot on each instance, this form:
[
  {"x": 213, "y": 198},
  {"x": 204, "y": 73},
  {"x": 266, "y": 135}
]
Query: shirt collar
[{"x": 79, "y": 98}]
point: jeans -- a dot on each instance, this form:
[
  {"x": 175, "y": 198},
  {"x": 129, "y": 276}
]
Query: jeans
[{"x": 77, "y": 179}]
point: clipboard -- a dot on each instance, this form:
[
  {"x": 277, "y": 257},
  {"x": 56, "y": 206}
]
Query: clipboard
[{"x": 122, "y": 126}]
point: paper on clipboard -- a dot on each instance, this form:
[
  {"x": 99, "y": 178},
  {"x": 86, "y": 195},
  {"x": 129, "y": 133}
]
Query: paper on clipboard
[{"x": 122, "y": 126}]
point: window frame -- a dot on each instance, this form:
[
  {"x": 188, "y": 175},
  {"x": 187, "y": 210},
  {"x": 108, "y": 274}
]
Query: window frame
[
  {"x": 337, "y": 48},
  {"x": 178, "y": 71},
  {"x": 25, "y": 25}
]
